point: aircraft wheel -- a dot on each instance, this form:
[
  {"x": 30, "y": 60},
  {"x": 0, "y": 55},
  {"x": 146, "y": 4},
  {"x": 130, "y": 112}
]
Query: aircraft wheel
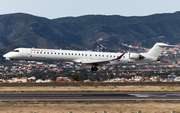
[{"x": 94, "y": 68}]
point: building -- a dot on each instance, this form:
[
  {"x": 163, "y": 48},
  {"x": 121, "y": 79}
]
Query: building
[
  {"x": 17, "y": 79},
  {"x": 62, "y": 79}
]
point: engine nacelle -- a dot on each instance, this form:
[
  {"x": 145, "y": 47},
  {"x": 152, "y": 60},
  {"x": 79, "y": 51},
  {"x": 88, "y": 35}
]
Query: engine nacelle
[{"x": 135, "y": 56}]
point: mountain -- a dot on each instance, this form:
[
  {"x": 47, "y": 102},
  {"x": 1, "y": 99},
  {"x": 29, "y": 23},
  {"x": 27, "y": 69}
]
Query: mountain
[{"x": 86, "y": 32}]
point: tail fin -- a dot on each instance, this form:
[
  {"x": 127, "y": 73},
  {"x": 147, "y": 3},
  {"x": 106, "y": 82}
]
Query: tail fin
[{"x": 156, "y": 50}]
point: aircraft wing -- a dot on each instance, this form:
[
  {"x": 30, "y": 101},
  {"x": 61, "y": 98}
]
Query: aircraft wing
[
  {"x": 96, "y": 62},
  {"x": 141, "y": 64},
  {"x": 101, "y": 62}
]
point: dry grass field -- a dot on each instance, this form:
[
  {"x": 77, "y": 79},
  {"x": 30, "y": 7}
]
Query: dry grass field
[
  {"x": 113, "y": 107},
  {"x": 88, "y": 107},
  {"x": 166, "y": 88}
]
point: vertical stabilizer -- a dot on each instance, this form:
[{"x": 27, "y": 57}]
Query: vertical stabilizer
[{"x": 156, "y": 50}]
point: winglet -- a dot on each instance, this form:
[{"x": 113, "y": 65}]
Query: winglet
[{"x": 120, "y": 57}]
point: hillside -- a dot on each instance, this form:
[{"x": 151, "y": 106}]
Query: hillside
[{"x": 86, "y": 32}]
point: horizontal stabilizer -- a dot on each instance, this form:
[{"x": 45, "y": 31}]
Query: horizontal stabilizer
[{"x": 164, "y": 45}]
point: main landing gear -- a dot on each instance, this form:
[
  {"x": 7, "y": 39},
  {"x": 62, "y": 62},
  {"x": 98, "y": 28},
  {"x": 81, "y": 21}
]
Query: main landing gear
[
  {"x": 11, "y": 61},
  {"x": 94, "y": 67}
]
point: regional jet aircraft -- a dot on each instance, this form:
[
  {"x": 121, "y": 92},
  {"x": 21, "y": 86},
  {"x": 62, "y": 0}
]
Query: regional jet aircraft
[{"x": 94, "y": 59}]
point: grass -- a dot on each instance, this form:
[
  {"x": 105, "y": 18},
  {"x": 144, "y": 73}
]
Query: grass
[
  {"x": 94, "y": 88},
  {"x": 96, "y": 84},
  {"x": 89, "y": 107}
]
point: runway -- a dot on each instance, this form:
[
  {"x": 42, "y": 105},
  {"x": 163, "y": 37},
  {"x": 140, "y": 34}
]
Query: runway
[{"x": 88, "y": 96}]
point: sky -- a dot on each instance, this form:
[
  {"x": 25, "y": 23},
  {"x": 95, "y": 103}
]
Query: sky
[{"x": 64, "y": 8}]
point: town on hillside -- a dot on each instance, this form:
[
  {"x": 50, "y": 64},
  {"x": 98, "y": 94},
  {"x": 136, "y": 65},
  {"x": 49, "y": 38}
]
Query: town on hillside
[{"x": 167, "y": 70}]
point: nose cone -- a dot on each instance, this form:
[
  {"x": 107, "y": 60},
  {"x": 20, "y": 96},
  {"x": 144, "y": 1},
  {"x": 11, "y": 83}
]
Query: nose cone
[{"x": 7, "y": 56}]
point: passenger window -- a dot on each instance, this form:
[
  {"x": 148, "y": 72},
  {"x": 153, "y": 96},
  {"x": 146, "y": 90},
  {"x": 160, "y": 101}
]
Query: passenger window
[
  {"x": 72, "y": 53},
  {"x": 58, "y": 53},
  {"x": 37, "y": 52},
  {"x": 107, "y": 55},
  {"x": 99, "y": 55},
  {"x": 79, "y": 54},
  {"x": 75, "y": 54},
  {"x": 41, "y": 52},
  {"x": 82, "y": 54},
  {"x": 90, "y": 55},
  {"x": 51, "y": 52},
  {"x": 86, "y": 54},
  {"x": 62, "y": 53},
  {"x": 44, "y": 52},
  {"x": 47, "y": 52},
  {"x": 95, "y": 55},
  {"x": 110, "y": 55},
  {"x": 102, "y": 55},
  {"x": 69, "y": 54}
]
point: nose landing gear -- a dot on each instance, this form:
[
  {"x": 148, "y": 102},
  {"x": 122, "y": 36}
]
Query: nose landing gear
[{"x": 11, "y": 61}]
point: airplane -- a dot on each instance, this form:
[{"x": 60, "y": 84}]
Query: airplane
[{"x": 95, "y": 59}]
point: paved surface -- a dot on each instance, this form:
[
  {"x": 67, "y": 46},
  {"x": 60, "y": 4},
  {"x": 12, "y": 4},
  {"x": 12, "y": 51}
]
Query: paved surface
[
  {"x": 87, "y": 96},
  {"x": 90, "y": 84}
]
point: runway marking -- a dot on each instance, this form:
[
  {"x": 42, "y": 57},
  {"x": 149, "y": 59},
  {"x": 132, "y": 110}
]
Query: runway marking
[{"x": 155, "y": 95}]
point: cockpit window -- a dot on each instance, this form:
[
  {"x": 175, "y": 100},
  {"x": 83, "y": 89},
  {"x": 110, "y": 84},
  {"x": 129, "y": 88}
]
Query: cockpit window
[{"x": 16, "y": 50}]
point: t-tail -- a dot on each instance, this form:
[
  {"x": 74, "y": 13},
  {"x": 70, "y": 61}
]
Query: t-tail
[{"x": 156, "y": 50}]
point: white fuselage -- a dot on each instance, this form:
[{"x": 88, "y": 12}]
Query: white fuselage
[{"x": 86, "y": 57}]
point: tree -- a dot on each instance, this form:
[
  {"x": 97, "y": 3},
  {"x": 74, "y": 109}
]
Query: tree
[{"x": 75, "y": 77}]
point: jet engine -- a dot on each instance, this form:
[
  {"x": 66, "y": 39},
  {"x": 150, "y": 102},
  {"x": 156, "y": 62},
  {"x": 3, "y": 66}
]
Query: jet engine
[{"x": 135, "y": 56}]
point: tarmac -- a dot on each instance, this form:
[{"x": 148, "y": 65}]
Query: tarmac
[{"x": 88, "y": 96}]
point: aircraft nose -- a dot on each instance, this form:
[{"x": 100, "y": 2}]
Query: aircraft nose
[{"x": 7, "y": 56}]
